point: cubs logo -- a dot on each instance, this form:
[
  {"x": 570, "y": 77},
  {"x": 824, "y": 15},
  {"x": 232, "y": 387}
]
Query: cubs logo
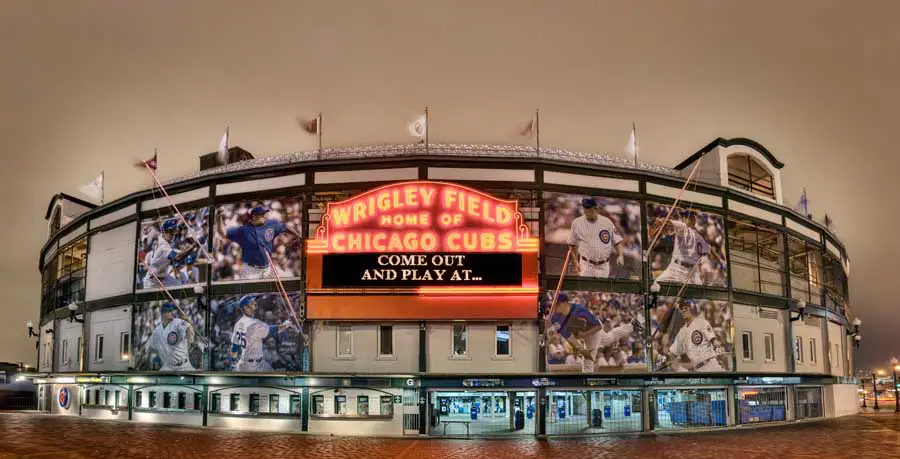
[
  {"x": 696, "y": 337},
  {"x": 270, "y": 234},
  {"x": 63, "y": 398},
  {"x": 172, "y": 338},
  {"x": 604, "y": 236}
]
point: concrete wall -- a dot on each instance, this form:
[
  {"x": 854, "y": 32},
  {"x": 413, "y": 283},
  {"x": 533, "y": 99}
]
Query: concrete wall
[
  {"x": 841, "y": 400},
  {"x": 110, "y": 323},
  {"x": 69, "y": 334},
  {"x": 747, "y": 319},
  {"x": 74, "y": 397},
  {"x": 110, "y": 268},
  {"x": 837, "y": 352},
  {"x": 45, "y": 349},
  {"x": 481, "y": 356},
  {"x": 365, "y": 358},
  {"x": 806, "y": 332}
]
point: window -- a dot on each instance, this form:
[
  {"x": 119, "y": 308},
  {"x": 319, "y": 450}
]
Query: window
[
  {"x": 385, "y": 341},
  {"x": 798, "y": 349},
  {"x": 318, "y": 406},
  {"x": 182, "y": 400},
  {"x": 198, "y": 401},
  {"x": 97, "y": 398},
  {"x": 756, "y": 257},
  {"x": 502, "y": 340},
  {"x": 746, "y": 173},
  {"x": 138, "y": 399},
  {"x": 362, "y": 405},
  {"x": 65, "y": 352},
  {"x": 152, "y": 399},
  {"x": 125, "y": 345},
  {"x": 295, "y": 404},
  {"x": 835, "y": 283},
  {"x": 167, "y": 400},
  {"x": 806, "y": 270},
  {"x": 98, "y": 348},
  {"x": 747, "y": 343},
  {"x": 769, "y": 341},
  {"x": 63, "y": 278},
  {"x": 387, "y": 405},
  {"x": 235, "y": 402},
  {"x": 460, "y": 340},
  {"x": 254, "y": 403},
  {"x": 273, "y": 403},
  {"x": 344, "y": 341},
  {"x": 837, "y": 355},
  {"x": 107, "y": 399},
  {"x": 812, "y": 350},
  {"x": 340, "y": 404},
  {"x": 216, "y": 403}
]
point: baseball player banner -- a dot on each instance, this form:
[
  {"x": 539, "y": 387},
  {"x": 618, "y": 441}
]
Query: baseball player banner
[
  {"x": 169, "y": 336},
  {"x": 594, "y": 332},
  {"x": 690, "y": 248},
  {"x": 604, "y": 235},
  {"x": 170, "y": 254},
  {"x": 691, "y": 335},
  {"x": 248, "y": 234},
  {"x": 258, "y": 332}
]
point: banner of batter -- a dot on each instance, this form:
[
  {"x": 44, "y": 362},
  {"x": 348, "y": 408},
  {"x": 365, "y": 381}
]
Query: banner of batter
[
  {"x": 169, "y": 252},
  {"x": 258, "y": 332},
  {"x": 248, "y": 234},
  {"x": 604, "y": 235},
  {"x": 690, "y": 248},
  {"x": 691, "y": 335},
  {"x": 169, "y": 336},
  {"x": 594, "y": 332}
]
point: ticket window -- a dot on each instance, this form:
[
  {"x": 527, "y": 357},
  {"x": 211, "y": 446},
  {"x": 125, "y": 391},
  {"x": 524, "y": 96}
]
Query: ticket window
[{"x": 362, "y": 405}]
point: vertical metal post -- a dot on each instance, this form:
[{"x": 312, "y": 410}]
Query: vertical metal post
[
  {"x": 130, "y": 401},
  {"x": 204, "y": 404},
  {"x": 423, "y": 411},
  {"x": 875, "y": 390},
  {"x": 423, "y": 347},
  {"x": 304, "y": 410}
]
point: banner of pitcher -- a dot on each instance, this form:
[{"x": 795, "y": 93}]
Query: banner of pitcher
[{"x": 248, "y": 333}]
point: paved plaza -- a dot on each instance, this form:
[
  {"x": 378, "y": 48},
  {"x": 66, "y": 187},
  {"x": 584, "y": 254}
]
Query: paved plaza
[{"x": 43, "y": 436}]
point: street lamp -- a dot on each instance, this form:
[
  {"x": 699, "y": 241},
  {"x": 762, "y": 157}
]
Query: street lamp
[
  {"x": 855, "y": 333},
  {"x": 896, "y": 365}
]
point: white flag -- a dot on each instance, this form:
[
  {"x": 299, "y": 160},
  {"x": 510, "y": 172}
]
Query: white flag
[
  {"x": 632, "y": 148},
  {"x": 94, "y": 190},
  {"x": 223, "y": 148},
  {"x": 419, "y": 127}
]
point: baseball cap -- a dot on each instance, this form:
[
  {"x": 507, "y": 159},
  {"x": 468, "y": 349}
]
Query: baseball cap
[
  {"x": 169, "y": 224},
  {"x": 258, "y": 210},
  {"x": 685, "y": 213},
  {"x": 562, "y": 297},
  {"x": 167, "y": 307},
  {"x": 247, "y": 299},
  {"x": 687, "y": 303},
  {"x": 589, "y": 203}
]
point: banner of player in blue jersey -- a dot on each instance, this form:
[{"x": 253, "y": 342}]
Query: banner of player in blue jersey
[
  {"x": 249, "y": 234},
  {"x": 690, "y": 248},
  {"x": 169, "y": 252},
  {"x": 603, "y": 233},
  {"x": 169, "y": 336},
  {"x": 594, "y": 332},
  {"x": 257, "y": 332},
  {"x": 691, "y": 335}
]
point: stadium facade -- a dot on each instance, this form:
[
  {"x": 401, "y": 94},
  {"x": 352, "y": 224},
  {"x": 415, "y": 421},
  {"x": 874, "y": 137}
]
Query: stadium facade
[{"x": 449, "y": 290}]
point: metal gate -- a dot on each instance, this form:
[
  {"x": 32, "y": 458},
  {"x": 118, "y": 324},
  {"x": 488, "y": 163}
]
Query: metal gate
[
  {"x": 410, "y": 412},
  {"x": 585, "y": 412},
  {"x": 690, "y": 408},
  {"x": 809, "y": 403},
  {"x": 761, "y": 404}
]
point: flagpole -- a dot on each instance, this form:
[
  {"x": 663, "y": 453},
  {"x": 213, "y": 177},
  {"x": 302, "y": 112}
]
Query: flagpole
[
  {"x": 426, "y": 129},
  {"x": 319, "y": 131},
  {"x": 102, "y": 186},
  {"x": 537, "y": 130},
  {"x": 634, "y": 132}
]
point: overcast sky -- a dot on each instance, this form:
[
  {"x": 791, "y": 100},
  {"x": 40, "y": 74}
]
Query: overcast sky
[{"x": 93, "y": 85}]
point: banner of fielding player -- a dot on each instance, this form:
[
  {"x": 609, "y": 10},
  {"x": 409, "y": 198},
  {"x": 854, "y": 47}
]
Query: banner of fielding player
[
  {"x": 604, "y": 235},
  {"x": 257, "y": 332},
  {"x": 690, "y": 247},
  {"x": 691, "y": 335},
  {"x": 247, "y": 234},
  {"x": 168, "y": 336},
  {"x": 170, "y": 253},
  {"x": 594, "y": 332}
]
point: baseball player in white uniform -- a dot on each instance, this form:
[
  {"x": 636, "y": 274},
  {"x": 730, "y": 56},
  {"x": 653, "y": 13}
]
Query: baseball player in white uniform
[
  {"x": 696, "y": 341},
  {"x": 171, "y": 340},
  {"x": 247, "y": 338},
  {"x": 690, "y": 248},
  {"x": 159, "y": 260},
  {"x": 592, "y": 239}
]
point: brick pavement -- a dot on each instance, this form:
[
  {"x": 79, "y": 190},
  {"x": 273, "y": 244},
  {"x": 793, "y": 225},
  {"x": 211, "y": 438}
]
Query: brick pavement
[{"x": 57, "y": 437}]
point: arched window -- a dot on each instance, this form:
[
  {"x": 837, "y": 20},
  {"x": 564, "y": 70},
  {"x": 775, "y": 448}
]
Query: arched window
[{"x": 746, "y": 173}]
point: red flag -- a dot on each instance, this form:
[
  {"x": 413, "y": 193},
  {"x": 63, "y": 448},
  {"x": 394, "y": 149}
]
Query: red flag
[
  {"x": 151, "y": 163},
  {"x": 310, "y": 126}
]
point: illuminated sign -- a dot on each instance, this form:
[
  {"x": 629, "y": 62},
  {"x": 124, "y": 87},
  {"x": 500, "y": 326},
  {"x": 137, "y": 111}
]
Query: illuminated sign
[
  {"x": 435, "y": 240},
  {"x": 63, "y": 398}
]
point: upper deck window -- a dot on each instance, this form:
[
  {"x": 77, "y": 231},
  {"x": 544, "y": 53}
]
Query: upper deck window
[{"x": 748, "y": 174}]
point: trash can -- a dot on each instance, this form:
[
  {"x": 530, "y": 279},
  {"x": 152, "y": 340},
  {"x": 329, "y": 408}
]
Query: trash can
[
  {"x": 520, "y": 420},
  {"x": 561, "y": 411},
  {"x": 474, "y": 412},
  {"x": 596, "y": 418},
  {"x": 607, "y": 411},
  {"x": 529, "y": 411},
  {"x": 627, "y": 411}
]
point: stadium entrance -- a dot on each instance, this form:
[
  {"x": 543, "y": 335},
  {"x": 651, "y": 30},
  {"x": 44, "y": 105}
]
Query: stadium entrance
[
  {"x": 690, "y": 408},
  {"x": 585, "y": 412},
  {"x": 484, "y": 413}
]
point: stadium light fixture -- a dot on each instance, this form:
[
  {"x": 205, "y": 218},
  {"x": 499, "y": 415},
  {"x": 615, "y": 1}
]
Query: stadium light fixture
[
  {"x": 855, "y": 333},
  {"x": 73, "y": 313},
  {"x": 801, "y": 307},
  {"x": 31, "y": 332}
]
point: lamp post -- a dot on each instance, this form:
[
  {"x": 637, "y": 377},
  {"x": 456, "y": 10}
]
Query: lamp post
[{"x": 896, "y": 364}]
